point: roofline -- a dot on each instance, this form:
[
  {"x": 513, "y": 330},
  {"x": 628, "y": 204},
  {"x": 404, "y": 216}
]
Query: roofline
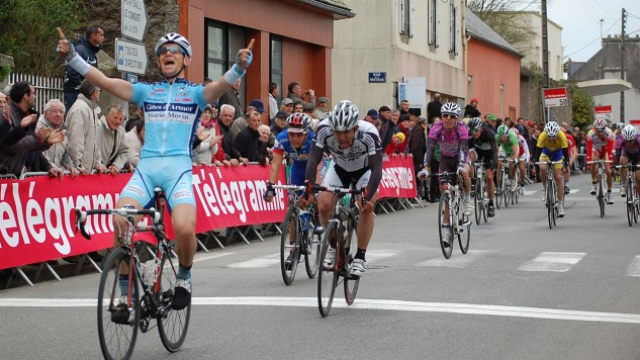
[
  {"x": 477, "y": 37},
  {"x": 342, "y": 13},
  {"x": 530, "y": 12}
]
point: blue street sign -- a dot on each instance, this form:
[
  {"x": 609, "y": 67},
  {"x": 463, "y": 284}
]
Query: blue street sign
[{"x": 377, "y": 77}]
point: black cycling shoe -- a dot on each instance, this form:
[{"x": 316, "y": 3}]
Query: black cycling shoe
[
  {"x": 120, "y": 314},
  {"x": 492, "y": 211},
  {"x": 288, "y": 263}
]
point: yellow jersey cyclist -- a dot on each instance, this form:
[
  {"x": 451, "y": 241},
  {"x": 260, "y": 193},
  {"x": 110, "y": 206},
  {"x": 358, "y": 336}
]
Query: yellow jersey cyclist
[
  {"x": 171, "y": 110},
  {"x": 552, "y": 146}
]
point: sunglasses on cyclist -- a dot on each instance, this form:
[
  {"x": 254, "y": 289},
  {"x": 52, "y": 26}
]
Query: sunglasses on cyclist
[
  {"x": 449, "y": 116},
  {"x": 174, "y": 49}
]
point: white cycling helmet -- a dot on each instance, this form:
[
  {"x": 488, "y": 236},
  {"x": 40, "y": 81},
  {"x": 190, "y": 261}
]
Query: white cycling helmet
[
  {"x": 552, "y": 128},
  {"x": 629, "y": 132},
  {"x": 475, "y": 124},
  {"x": 176, "y": 39},
  {"x": 600, "y": 124},
  {"x": 451, "y": 108},
  {"x": 344, "y": 116}
]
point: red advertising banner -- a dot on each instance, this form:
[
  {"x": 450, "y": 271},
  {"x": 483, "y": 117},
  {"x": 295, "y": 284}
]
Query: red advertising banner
[
  {"x": 398, "y": 179},
  {"x": 605, "y": 109},
  {"x": 36, "y": 221},
  {"x": 37, "y": 213}
]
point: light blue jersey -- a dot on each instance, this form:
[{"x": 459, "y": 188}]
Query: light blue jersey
[
  {"x": 171, "y": 117},
  {"x": 171, "y": 114}
]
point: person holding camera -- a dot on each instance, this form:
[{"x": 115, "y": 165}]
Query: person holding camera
[{"x": 297, "y": 95}]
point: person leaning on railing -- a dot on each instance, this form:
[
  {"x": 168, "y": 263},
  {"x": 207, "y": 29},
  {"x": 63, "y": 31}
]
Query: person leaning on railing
[{"x": 18, "y": 137}]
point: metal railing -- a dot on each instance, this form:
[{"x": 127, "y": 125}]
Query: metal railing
[{"x": 47, "y": 88}]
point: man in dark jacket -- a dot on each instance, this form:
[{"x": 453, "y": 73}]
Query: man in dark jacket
[
  {"x": 87, "y": 47},
  {"x": 18, "y": 135},
  {"x": 433, "y": 108},
  {"x": 225, "y": 119},
  {"x": 297, "y": 95},
  {"x": 247, "y": 140}
]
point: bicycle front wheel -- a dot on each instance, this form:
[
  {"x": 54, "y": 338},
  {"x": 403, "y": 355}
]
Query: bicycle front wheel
[
  {"x": 506, "y": 192},
  {"x": 290, "y": 248},
  {"x": 478, "y": 200},
  {"x": 446, "y": 233},
  {"x": 465, "y": 236},
  {"x": 312, "y": 253},
  {"x": 172, "y": 324},
  {"x": 601, "y": 197},
  {"x": 631, "y": 208},
  {"x": 551, "y": 204},
  {"x": 351, "y": 242},
  {"x": 328, "y": 275},
  {"x": 118, "y": 314},
  {"x": 499, "y": 191}
]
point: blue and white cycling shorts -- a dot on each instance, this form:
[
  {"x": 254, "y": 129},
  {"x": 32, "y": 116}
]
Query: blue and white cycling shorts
[{"x": 171, "y": 173}]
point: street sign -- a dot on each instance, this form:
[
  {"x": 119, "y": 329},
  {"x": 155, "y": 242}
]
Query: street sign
[
  {"x": 131, "y": 78},
  {"x": 555, "y": 97},
  {"x": 603, "y": 112},
  {"x": 131, "y": 56},
  {"x": 377, "y": 77},
  {"x": 133, "y": 16}
]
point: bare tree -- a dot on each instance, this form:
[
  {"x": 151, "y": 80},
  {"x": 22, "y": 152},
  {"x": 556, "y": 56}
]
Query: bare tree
[{"x": 503, "y": 17}]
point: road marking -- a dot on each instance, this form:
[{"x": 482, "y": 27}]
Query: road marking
[
  {"x": 261, "y": 262},
  {"x": 368, "y": 304},
  {"x": 552, "y": 261},
  {"x": 209, "y": 257},
  {"x": 634, "y": 267},
  {"x": 375, "y": 255},
  {"x": 530, "y": 192},
  {"x": 460, "y": 262}
]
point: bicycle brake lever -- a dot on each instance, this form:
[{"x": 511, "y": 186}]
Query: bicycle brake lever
[{"x": 81, "y": 217}]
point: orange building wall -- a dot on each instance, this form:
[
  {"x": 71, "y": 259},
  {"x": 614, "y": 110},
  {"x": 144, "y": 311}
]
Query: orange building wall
[
  {"x": 491, "y": 66},
  {"x": 307, "y": 59}
]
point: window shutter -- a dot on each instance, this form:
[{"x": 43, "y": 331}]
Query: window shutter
[
  {"x": 401, "y": 14},
  {"x": 412, "y": 11}
]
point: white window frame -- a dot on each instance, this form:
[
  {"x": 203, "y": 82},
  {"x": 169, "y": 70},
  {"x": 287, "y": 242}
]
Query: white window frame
[{"x": 433, "y": 22}]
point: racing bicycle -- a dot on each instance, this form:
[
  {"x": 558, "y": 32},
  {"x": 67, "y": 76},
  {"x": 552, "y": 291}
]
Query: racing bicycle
[
  {"x": 150, "y": 282},
  {"x": 632, "y": 200},
  {"x": 459, "y": 224},
  {"x": 551, "y": 200},
  {"x": 306, "y": 241},
  {"x": 600, "y": 179}
]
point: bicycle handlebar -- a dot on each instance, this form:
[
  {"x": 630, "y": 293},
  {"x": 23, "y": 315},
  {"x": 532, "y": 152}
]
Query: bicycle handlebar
[
  {"x": 81, "y": 216},
  {"x": 549, "y": 162},
  {"x": 599, "y": 162},
  {"x": 628, "y": 166}
]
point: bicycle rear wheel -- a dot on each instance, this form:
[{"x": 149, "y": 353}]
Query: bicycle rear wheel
[
  {"x": 287, "y": 248},
  {"x": 328, "y": 276},
  {"x": 446, "y": 250},
  {"x": 172, "y": 324},
  {"x": 312, "y": 255},
  {"x": 117, "y": 322},
  {"x": 499, "y": 191},
  {"x": 506, "y": 192},
  {"x": 351, "y": 242}
]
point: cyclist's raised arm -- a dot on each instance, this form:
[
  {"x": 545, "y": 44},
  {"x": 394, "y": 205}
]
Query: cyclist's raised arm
[
  {"x": 118, "y": 87},
  {"x": 215, "y": 89}
]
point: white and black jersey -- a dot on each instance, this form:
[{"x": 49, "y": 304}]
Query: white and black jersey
[{"x": 366, "y": 143}]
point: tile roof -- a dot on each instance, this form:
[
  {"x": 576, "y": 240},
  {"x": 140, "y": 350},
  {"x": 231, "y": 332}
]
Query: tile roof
[{"x": 476, "y": 28}]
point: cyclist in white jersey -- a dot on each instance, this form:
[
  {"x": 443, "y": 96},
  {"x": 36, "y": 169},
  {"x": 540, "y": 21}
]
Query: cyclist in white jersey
[
  {"x": 357, "y": 160},
  {"x": 171, "y": 110}
]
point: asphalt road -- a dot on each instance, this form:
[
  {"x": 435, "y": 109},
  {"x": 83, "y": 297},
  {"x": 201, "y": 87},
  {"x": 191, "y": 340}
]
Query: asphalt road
[{"x": 522, "y": 292}]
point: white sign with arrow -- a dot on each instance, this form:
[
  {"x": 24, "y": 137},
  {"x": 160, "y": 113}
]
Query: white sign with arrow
[{"x": 133, "y": 17}]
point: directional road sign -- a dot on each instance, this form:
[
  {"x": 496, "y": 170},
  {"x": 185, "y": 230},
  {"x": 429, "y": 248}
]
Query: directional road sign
[
  {"x": 133, "y": 16},
  {"x": 131, "y": 56}
]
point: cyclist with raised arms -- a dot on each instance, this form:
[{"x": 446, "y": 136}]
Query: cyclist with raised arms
[
  {"x": 171, "y": 110},
  {"x": 600, "y": 144},
  {"x": 628, "y": 151},
  {"x": 509, "y": 148},
  {"x": 294, "y": 142},
  {"x": 483, "y": 148},
  {"x": 552, "y": 146},
  {"x": 357, "y": 159},
  {"x": 452, "y": 136}
]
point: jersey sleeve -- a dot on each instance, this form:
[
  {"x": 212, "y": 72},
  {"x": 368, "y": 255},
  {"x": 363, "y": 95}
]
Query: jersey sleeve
[
  {"x": 140, "y": 92},
  {"x": 278, "y": 147},
  {"x": 324, "y": 131},
  {"x": 563, "y": 140},
  {"x": 199, "y": 97},
  {"x": 541, "y": 140}
]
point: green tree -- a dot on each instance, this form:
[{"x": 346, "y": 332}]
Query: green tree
[
  {"x": 28, "y": 32},
  {"x": 581, "y": 106}
]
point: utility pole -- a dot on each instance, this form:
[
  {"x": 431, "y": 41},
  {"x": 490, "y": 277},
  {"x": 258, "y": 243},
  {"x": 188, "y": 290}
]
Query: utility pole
[
  {"x": 545, "y": 46},
  {"x": 622, "y": 56}
]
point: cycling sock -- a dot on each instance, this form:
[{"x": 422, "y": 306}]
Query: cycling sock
[
  {"x": 360, "y": 254},
  {"x": 184, "y": 272},
  {"x": 566, "y": 183},
  {"x": 490, "y": 202},
  {"x": 123, "y": 284}
]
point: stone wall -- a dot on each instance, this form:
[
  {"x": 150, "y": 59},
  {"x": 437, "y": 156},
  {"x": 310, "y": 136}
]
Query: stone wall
[{"x": 162, "y": 18}]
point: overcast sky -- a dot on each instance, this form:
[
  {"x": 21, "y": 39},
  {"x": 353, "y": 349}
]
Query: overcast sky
[{"x": 580, "y": 21}]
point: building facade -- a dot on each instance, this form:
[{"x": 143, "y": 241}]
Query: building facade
[
  {"x": 493, "y": 73},
  {"x": 293, "y": 41},
  {"x": 397, "y": 49}
]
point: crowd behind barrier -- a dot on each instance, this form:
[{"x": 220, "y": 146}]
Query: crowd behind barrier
[{"x": 37, "y": 221}]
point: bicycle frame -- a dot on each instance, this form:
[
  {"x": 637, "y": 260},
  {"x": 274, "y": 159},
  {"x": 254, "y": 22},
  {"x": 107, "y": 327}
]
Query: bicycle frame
[
  {"x": 600, "y": 178},
  {"x": 551, "y": 201}
]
